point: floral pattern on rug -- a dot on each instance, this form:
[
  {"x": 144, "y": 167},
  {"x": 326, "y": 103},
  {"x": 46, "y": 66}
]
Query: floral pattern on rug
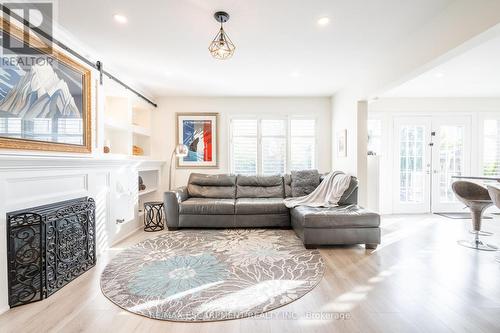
[
  {"x": 176, "y": 275},
  {"x": 208, "y": 275}
]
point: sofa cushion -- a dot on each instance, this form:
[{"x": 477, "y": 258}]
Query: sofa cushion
[
  {"x": 212, "y": 180},
  {"x": 212, "y": 186},
  {"x": 336, "y": 217},
  {"x": 287, "y": 181},
  {"x": 207, "y": 206},
  {"x": 304, "y": 182},
  {"x": 259, "y": 187},
  {"x": 260, "y": 206}
]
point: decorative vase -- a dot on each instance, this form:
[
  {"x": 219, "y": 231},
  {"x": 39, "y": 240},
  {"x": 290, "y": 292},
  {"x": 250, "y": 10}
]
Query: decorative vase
[
  {"x": 107, "y": 147},
  {"x": 142, "y": 187},
  {"x": 138, "y": 151}
]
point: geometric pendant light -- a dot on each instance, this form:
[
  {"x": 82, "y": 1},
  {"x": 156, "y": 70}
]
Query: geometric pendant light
[{"x": 222, "y": 47}]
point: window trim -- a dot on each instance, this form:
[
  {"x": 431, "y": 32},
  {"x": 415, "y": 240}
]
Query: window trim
[
  {"x": 288, "y": 138},
  {"x": 481, "y": 129},
  {"x": 230, "y": 141}
]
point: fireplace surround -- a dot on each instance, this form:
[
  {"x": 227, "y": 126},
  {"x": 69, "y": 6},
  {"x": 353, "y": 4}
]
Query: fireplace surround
[{"x": 48, "y": 247}]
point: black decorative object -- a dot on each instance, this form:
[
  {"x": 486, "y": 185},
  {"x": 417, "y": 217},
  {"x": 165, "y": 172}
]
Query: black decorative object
[
  {"x": 153, "y": 216},
  {"x": 142, "y": 187},
  {"x": 48, "y": 247}
]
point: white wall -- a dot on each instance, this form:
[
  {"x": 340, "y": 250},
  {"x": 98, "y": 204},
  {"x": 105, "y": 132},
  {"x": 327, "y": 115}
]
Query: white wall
[
  {"x": 387, "y": 109},
  {"x": 317, "y": 107},
  {"x": 350, "y": 113},
  {"x": 459, "y": 27},
  {"x": 344, "y": 116}
]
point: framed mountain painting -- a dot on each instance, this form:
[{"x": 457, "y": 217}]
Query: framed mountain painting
[
  {"x": 44, "y": 97},
  {"x": 198, "y": 132}
]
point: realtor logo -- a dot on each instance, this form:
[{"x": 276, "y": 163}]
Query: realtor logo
[{"x": 35, "y": 19}]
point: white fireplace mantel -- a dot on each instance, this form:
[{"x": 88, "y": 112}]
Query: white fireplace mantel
[{"x": 29, "y": 181}]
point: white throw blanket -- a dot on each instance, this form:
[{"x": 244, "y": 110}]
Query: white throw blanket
[{"x": 327, "y": 194}]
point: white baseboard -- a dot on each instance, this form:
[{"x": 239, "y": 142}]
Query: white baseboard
[
  {"x": 4, "y": 309},
  {"x": 127, "y": 235}
]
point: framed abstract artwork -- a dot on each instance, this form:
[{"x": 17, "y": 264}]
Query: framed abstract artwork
[
  {"x": 198, "y": 132},
  {"x": 44, "y": 97},
  {"x": 342, "y": 143}
]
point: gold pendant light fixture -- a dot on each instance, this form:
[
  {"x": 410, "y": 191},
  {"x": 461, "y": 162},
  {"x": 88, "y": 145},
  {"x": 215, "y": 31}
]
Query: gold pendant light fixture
[{"x": 222, "y": 47}]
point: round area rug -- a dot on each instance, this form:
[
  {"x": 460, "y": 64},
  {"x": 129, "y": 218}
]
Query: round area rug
[{"x": 208, "y": 275}]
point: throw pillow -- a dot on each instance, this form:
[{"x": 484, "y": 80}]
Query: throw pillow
[{"x": 304, "y": 182}]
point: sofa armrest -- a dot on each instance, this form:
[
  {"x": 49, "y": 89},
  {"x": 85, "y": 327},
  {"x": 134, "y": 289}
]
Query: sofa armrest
[{"x": 171, "y": 201}]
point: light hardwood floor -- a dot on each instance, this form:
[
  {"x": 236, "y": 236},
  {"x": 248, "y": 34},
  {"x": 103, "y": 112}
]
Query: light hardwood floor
[{"x": 418, "y": 280}]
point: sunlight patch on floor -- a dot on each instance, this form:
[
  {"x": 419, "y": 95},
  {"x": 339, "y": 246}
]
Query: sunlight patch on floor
[
  {"x": 348, "y": 301},
  {"x": 252, "y": 296},
  {"x": 399, "y": 235},
  {"x": 158, "y": 302}
]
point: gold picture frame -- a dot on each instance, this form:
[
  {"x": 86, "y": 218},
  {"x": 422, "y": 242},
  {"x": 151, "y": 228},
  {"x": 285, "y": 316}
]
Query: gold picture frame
[
  {"x": 62, "y": 59},
  {"x": 179, "y": 131}
]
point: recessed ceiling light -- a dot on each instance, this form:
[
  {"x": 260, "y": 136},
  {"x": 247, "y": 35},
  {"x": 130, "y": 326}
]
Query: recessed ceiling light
[
  {"x": 439, "y": 75},
  {"x": 295, "y": 74},
  {"x": 323, "y": 21},
  {"x": 120, "y": 18}
]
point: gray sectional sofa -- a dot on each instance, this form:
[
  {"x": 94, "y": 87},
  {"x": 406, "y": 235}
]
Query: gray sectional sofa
[{"x": 229, "y": 201}]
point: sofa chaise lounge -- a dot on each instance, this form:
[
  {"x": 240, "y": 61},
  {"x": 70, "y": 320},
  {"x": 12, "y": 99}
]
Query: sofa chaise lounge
[{"x": 230, "y": 201}]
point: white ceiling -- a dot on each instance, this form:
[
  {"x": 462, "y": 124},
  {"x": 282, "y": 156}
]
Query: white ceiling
[
  {"x": 475, "y": 73},
  {"x": 280, "y": 48}
]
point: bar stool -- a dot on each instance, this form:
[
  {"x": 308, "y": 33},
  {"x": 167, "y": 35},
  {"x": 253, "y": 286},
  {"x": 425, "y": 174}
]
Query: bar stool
[
  {"x": 477, "y": 199},
  {"x": 495, "y": 196}
]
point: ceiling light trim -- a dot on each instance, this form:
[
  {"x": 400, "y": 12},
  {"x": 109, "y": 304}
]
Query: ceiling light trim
[
  {"x": 323, "y": 21},
  {"x": 120, "y": 18}
]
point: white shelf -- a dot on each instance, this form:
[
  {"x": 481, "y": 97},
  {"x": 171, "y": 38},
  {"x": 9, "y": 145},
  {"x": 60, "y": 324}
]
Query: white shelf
[
  {"x": 141, "y": 157},
  {"x": 114, "y": 125},
  {"x": 127, "y": 123},
  {"x": 147, "y": 190},
  {"x": 115, "y": 156},
  {"x": 139, "y": 130}
]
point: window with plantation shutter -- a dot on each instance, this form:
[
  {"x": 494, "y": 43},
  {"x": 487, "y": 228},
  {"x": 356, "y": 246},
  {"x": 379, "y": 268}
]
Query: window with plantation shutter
[
  {"x": 272, "y": 146},
  {"x": 302, "y": 144},
  {"x": 491, "y": 148},
  {"x": 244, "y": 146}
]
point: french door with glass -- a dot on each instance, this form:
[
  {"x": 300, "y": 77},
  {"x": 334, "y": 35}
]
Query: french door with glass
[{"x": 428, "y": 151}]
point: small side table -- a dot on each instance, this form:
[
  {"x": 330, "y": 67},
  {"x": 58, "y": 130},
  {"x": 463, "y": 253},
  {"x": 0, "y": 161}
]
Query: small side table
[{"x": 153, "y": 216}]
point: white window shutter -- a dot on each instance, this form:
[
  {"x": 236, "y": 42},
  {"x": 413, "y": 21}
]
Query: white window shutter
[
  {"x": 273, "y": 133},
  {"x": 302, "y": 145},
  {"x": 491, "y": 148},
  {"x": 260, "y": 146},
  {"x": 244, "y": 146}
]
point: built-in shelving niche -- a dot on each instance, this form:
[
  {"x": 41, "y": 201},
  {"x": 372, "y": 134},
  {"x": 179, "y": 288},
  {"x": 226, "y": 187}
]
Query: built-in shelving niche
[
  {"x": 127, "y": 123},
  {"x": 151, "y": 179}
]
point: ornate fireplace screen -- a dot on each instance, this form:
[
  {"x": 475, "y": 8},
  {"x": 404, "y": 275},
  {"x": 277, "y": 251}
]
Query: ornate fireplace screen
[{"x": 49, "y": 246}]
